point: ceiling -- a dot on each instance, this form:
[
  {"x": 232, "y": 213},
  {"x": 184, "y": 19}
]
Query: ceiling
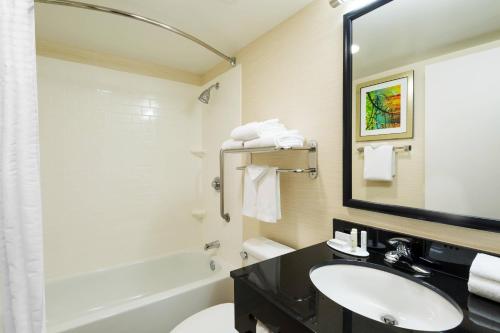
[
  {"x": 227, "y": 25},
  {"x": 407, "y": 31}
]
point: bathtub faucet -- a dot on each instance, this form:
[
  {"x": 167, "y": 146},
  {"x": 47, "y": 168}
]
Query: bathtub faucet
[{"x": 212, "y": 245}]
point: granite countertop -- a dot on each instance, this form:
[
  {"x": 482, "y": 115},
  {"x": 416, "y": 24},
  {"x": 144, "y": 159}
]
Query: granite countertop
[{"x": 284, "y": 282}]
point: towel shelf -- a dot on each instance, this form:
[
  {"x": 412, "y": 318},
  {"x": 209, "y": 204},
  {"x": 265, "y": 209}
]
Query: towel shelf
[
  {"x": 397, "y": 148},
  {"x": 312, "y": 170}
]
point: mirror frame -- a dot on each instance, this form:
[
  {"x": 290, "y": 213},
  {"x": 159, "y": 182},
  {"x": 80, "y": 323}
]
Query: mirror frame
[{"x": 348, "y": 201}]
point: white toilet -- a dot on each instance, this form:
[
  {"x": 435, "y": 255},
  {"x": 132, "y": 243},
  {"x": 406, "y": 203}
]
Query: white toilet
[{"x": 220, "y": 318}]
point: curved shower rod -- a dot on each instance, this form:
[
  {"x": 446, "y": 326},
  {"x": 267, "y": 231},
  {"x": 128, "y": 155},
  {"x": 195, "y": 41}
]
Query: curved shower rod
[{"x": 103, "y": 9}]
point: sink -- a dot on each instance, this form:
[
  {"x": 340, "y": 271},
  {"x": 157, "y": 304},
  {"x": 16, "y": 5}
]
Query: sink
[{"x": 387, "y": 297}]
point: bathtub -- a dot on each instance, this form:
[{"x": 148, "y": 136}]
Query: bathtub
[{"x": 148, "y": 297}]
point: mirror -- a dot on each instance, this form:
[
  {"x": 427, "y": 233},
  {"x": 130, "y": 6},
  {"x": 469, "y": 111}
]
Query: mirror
[{"x": 422, "y": 110}]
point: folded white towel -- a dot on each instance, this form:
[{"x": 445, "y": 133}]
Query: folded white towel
[
  {"x": 380, "y": 163},
  {"x": 484, "y": 287},
  {"x": 254, "y": 130},
  {"x": 289, "y": 139},
  {"x": 270, "y": 127},
  {"x": 246, "y": 132},
  {"x": 486, "y": 266},
  {"x": 266, "y": 141},
  {"x": 232, "y": 144}
]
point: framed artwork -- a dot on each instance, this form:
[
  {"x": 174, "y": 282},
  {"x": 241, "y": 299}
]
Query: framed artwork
[{"x": 385, "y": 108}]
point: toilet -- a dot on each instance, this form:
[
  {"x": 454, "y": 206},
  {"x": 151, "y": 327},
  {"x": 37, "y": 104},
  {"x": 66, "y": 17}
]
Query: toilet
[{"x": 220, "y": 318}]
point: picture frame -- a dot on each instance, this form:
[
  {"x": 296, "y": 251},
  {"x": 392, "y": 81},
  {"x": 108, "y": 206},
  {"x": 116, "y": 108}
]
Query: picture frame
[{"x": 385, "y": 108}]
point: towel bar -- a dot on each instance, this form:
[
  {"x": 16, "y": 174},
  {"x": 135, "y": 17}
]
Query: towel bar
[
  {"x": 404, "y": 148},
  {"x": 312, "y": 170},
  {"x": 308, "y": 170}
]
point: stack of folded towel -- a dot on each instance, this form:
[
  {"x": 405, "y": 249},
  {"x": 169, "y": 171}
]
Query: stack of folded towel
[
  {"x": 484, "y": 277},
  {"x": 269, "y": 133}
]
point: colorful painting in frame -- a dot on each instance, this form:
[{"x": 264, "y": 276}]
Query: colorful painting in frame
[{"x": 385, "y": 108}]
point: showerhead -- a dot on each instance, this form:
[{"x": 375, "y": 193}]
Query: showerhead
[{"x": 205, "y": 95}]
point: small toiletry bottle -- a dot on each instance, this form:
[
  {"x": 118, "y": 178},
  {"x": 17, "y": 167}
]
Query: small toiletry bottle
[
  {"x": 364, "y": 240},
  {"x": 354, "y": 239}
]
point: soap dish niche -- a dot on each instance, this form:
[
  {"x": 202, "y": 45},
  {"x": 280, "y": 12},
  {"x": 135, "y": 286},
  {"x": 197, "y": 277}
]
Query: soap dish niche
[
  {"x": 199, "y": 214},
  {"x": 198, "y": 152}
]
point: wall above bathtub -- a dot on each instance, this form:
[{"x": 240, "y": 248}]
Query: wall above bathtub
[{"x": 115, "y": 187}]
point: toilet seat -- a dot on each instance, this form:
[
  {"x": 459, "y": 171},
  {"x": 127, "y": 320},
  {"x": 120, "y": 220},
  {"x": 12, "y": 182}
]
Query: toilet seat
[{"x": 216, "y": 319}]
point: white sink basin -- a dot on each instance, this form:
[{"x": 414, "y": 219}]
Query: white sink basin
[{"x": 386, "y": 297}]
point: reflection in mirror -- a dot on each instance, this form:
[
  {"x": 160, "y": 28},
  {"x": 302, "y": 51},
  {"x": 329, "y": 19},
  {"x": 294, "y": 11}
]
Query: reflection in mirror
[{"x": 426, "y": 74}]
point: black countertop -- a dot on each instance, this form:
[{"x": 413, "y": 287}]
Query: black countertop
[{"x": 284, "y": 284}]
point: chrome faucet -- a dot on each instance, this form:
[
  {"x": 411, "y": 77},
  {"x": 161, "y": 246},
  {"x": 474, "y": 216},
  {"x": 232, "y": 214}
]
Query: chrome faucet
[
  {"x": 403, "y": 255},
  {"x": 212, "y": 245}
]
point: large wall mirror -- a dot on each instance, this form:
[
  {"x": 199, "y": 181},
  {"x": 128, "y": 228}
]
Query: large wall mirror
[{"x": 422, "y": 110}]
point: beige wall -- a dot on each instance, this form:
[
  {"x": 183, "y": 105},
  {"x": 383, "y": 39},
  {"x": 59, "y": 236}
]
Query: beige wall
[
  {"x": 118, "y": 179},
  {"x": 294, "y": 72}
]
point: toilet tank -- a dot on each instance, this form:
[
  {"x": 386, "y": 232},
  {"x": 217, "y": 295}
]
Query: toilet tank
[{"x": 261, "y": 248}]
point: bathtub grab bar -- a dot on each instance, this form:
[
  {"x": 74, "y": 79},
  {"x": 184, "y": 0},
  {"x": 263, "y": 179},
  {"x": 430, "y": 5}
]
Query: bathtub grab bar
[{"x": 312, "y": 170}]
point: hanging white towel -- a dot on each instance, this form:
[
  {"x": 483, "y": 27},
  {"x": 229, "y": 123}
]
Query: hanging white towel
[
  {"x": 261, "y": 193},
  {"x": 380, "y": 163},
  {"x": 253, "y": 173},
  {"x": 268, "y": 197}
]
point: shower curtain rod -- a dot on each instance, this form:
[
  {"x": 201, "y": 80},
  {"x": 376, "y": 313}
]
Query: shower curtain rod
[{"x": 98, "y": 8}]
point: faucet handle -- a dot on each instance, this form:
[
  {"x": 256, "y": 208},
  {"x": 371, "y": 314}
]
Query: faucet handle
[
  {"x": 402, "y": 246},
  {"x": 396, "y": 241}
]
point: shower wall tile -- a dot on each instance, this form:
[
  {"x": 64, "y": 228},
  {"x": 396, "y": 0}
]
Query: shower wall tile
[{"x": 118, "y": 179}]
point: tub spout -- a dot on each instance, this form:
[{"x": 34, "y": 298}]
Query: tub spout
[{"x": 212, "y": 245}]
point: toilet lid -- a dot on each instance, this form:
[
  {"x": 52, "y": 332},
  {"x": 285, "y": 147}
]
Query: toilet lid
[{"x": 216, "y": 319}]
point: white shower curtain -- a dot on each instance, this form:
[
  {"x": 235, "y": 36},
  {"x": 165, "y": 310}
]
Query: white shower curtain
[{"x": 21, "y": 250}]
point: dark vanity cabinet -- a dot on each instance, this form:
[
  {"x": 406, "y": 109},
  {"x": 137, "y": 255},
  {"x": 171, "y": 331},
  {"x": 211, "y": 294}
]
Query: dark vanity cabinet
[{"x": 279, "y": 292}]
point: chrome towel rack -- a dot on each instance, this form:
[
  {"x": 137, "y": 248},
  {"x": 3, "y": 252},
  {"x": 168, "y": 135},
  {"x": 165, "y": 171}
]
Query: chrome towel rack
[
  {"x": 311, "y": 147},
  {"x": 404, "y": 148},
  {"x": 308, "y": 170}
]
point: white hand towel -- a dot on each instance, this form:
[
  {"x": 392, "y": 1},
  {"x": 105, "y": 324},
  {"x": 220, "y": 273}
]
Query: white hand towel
[
  {"x": 380, "y": 163},
  {"x": 289, "y": 139},
  {"x": 246, "y": 132},
  {"x": 266, "y": 141},
  {"x": 484, "y": 287},
  {"x": 486, "y": 266},
  {"x": 268, "y": 197},
  {"x": 232, "y": 144},
  {"x": 253, "y": 173}
]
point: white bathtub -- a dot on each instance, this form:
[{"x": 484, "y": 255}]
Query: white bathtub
[{"x": 147, "y": 297}]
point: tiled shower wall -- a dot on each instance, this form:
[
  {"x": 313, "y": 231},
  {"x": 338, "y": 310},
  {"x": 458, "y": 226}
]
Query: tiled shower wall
[{"x": 118, "y": 179}]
